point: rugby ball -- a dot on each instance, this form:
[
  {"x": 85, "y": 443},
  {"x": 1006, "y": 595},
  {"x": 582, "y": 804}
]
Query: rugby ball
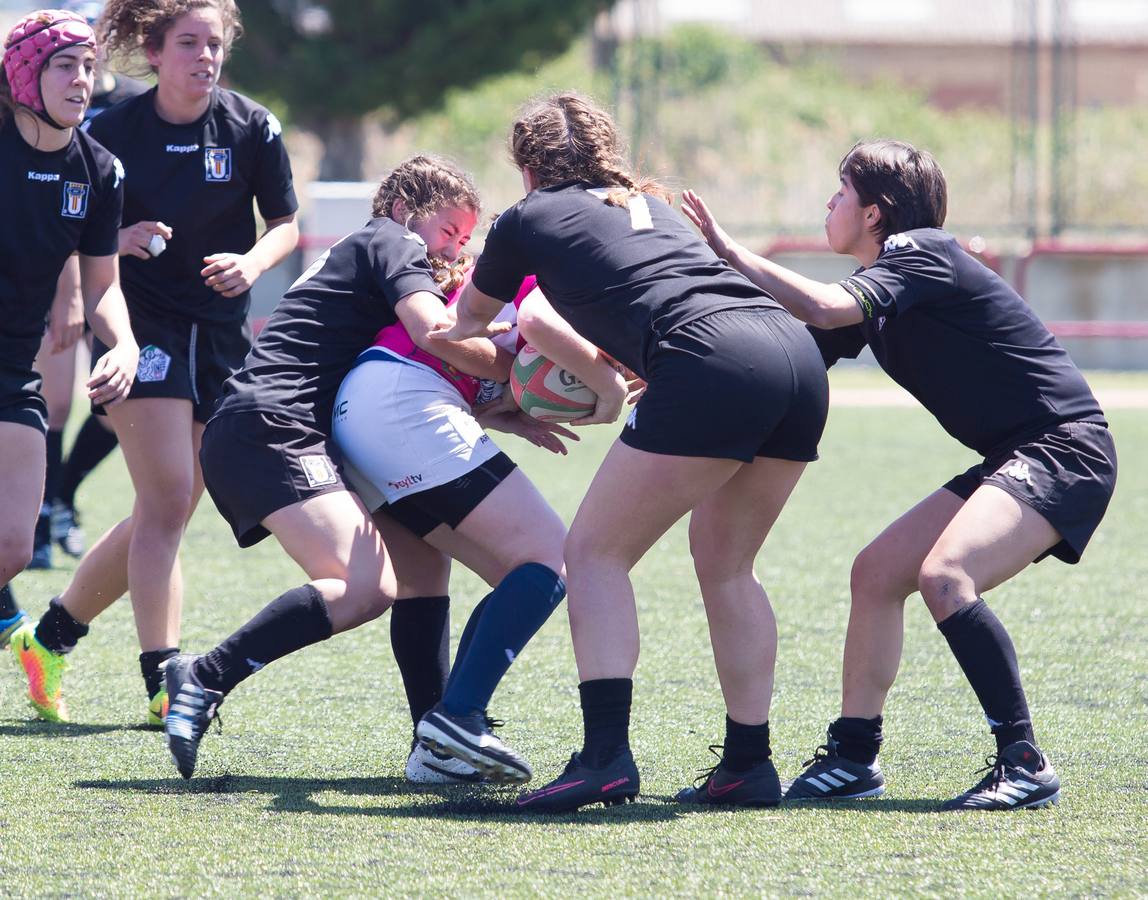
[{"x": 546, "y": 391}]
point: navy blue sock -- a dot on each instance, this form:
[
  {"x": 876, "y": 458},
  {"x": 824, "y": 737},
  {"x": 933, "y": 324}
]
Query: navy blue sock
[
  {"x": 986, "y": 654},
  {"x": 467, "y": 636},
  {"x": 508, "y": 618}
]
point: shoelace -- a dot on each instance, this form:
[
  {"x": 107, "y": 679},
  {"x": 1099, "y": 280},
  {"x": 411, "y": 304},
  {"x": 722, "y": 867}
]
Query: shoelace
[
  {"x": 995, "y": 766},
  {"x": 821, "y": 753},
  {"x": 705, "y": 775}
]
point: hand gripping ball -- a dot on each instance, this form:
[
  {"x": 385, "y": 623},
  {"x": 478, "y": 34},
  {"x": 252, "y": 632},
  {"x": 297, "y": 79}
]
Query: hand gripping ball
[{"x": 546, "y": 391}]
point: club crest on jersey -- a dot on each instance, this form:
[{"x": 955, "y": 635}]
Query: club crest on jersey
[
  {"x": 75, "y": 200},
  {"x": 217, "y": 163}
]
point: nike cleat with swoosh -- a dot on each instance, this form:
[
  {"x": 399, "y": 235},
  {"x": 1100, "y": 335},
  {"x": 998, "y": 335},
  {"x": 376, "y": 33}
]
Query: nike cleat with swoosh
[
  {"x": 721, "y": 786},
  {"x": 579, "y": 785}
]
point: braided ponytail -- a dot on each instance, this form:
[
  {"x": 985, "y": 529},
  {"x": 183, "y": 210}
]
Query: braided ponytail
[{"x": 567, "y": 138}]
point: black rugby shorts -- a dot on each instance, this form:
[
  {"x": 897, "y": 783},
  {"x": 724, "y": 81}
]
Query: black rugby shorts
[
  {"x": 1067, "y": 474},
  {"x": 734, "y": 384}
]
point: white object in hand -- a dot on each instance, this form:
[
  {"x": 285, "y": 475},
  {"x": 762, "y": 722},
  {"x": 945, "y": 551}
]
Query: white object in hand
[{"x": 156, "y": 245}]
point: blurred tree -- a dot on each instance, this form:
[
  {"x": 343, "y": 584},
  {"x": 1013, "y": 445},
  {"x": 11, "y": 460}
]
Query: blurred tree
[{"x": 331, "y": 62}]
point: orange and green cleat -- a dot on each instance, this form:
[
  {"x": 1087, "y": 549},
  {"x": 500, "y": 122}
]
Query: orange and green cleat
[
  {"x": 157, "y": 709},
  {"x": 45, "y": 671}
]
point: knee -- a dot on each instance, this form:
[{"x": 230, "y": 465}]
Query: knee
[
  {"x": 944, "y": 585},
  {"x": 164, "y": 510},
  {"x": 716, "y": 557},
  {"x": 873, "y": 580},
  {"x": 15, "y": 553}
]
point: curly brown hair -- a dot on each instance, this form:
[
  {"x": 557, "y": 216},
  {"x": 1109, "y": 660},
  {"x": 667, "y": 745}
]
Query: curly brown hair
[
  {"x": 425, "y": 184},
  {"x": 128, "y": 28},
  {"x": 566, "y": 137}
]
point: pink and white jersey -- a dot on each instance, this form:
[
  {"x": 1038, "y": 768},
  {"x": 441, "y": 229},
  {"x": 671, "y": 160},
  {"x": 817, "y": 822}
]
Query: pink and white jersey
[{"x": 395, "y": 340}]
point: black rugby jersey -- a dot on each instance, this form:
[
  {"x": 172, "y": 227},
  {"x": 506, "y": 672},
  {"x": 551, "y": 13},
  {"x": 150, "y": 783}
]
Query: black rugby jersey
[
  {"x": 955, "y": 335},
  {"x": 198, "y": 178},
  {"x": 622, "y": 277},
  {"x": 54, "y": 203},
  {"x": 327, "y": 318}
]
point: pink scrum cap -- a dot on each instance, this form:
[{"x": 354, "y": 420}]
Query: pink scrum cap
[{"x": 32, "y": 41}]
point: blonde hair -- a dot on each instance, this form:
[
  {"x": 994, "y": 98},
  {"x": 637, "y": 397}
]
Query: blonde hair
[
  {"x": 127, "y": 27},
  {"x": 566, "y": 137},
  {"x": 425, "y": 184}
]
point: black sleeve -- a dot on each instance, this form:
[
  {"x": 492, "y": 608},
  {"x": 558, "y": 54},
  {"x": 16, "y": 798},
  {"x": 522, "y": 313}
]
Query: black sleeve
[
  {"x": 838, "y": 343},
  {"x": 904, "y": 275},
  {"x": 273, "y": 184},
  {"x": 501, "y": 268},
  {"x": 400, "y": 265},
  {"x": 101, "y": 235}
]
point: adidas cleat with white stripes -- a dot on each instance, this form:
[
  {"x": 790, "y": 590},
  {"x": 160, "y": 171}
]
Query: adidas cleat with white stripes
[
  {"x": 1019, "y": 777},
  {"x": 191, "y": 709},
  {"x": 830, "y": 776}
]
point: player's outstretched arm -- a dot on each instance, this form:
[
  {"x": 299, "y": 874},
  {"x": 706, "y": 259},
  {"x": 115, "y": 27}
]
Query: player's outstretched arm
[
  {"x": 815, "y": 302},
  {"x": 472, "y": 318},
  {"x": 423, "y": 314}
]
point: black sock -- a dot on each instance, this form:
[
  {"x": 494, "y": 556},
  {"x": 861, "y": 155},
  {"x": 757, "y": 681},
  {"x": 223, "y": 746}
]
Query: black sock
[
  {"x": 54, "y": 444},
  {"x": 605, "y": 718},
  {"x": 150, "y": 663},
  {"x": 858, "y": 740},
  {"x": 93, "y": 443},
  {"x": 745, "y": 745},
  {"x": 420, "y": 639},
  {"x": 988, "y": 659},
  {"x": 290, "y": 622},
  {"x": 8, "y": 605},
  {"x": 57, "y": 630}
]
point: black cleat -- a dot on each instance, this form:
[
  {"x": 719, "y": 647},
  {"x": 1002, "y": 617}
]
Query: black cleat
[
  {"x": 192, "y": 707},
  {"x": 830, "y": 776},
  {"x": 720, "y": 786},
  {"x": 1019, "y": 777},
  {"x": 470, "y": 739},
  {"x": 615, "y": 783}
]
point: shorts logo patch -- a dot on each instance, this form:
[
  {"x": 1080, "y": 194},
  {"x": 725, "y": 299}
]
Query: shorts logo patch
[
  {"x": 154, "y": 364},
  {"x": 1018, "y": 470},
  {"x": 217, "y": 163},
  {"x": 318, "y": 470},
  {"x": 407, "y": 481},
  {"x": 75, "y": 200}
]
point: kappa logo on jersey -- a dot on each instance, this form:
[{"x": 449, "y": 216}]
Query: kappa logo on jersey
[
  {"x": 274, "y": 129},
  {"x": 153, "y": 365},
  {"x": 1018, "y": 470},
  {"x": 75, "y": 200},
  {"x": 900, "y": 242},
  {"x": 318, "y": 470},
  {"x": 217, "y": 163},
  {"x": 182, "y": 148},
  {"x": 43, "y": 176}
]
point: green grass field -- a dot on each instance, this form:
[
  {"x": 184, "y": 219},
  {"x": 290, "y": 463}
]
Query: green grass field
[{"x": 302, "y": 793}]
